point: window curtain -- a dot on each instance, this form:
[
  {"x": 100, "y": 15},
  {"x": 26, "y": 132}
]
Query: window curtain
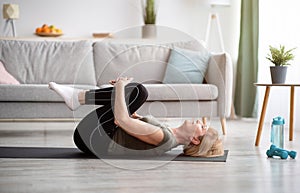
[{"x": 247, "y": 66}]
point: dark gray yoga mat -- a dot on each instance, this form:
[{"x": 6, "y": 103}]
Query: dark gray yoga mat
[{"x": 74, "y": 153}]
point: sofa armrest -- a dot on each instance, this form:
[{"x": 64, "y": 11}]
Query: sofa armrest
[{"x": 220, "y": 73}]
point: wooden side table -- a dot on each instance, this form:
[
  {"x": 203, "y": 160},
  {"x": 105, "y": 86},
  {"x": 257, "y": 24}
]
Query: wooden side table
[{"x": 264, "y": 108}]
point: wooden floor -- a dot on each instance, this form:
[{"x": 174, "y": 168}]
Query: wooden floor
[{"x": 247, "y": 168}]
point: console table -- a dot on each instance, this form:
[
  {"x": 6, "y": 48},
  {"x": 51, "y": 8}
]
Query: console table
[{"x": 264, "y": 108}]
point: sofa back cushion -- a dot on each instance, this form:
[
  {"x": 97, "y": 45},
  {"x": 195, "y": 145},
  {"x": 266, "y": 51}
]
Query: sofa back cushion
[
  {"x": 145, "y": 61},
  {"x": 38, "y": 62},
  {"x": 6, "y": 77}
]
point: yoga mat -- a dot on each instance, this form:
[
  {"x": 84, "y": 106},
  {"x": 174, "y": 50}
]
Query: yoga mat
[{"x": 74, "y": 153}]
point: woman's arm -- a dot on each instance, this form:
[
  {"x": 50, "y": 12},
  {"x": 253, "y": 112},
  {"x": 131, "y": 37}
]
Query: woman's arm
[
  {"x": 134, "y": 115},
  {"x": 139, "y": 129}
]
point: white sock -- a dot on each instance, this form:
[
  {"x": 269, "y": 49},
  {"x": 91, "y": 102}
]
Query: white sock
[{"x": 69, "y": 94}]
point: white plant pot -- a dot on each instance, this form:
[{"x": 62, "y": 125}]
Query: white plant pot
[{"x": 149, "y": 31}]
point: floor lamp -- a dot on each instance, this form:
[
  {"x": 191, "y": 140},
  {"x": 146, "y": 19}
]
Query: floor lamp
[
  {"x": 10, "y": 13},
  {"x": 214, "y": 18}
]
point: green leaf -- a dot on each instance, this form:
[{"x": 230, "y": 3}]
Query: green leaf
[
  {"x": 150, "y": 12},
  {"x": 280, "y": 56}
]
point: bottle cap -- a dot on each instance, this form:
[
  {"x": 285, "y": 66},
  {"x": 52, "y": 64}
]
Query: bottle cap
[{"x": 278, "y": 121}]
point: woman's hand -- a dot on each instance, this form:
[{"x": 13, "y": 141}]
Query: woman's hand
[{"x": 136, "y": 116}]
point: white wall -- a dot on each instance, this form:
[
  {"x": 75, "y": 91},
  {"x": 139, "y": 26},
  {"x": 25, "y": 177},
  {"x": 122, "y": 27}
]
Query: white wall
[
  {"x": 77, "y": 18},
  {"x": 279, "y": 24}
]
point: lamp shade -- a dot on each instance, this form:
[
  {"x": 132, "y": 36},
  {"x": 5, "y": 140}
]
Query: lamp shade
[
  {"x": 220, "y": 2},
  {"x": 10, "y": 11}
]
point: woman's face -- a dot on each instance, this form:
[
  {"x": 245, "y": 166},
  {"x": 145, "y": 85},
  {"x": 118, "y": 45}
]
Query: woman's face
[{"x": 196, "y": 128}]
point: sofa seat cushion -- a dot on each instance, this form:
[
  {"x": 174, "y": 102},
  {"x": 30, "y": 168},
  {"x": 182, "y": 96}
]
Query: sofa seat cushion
[
  {"x": 181, "y": 92},
  {"x": 32, "y": 93}
]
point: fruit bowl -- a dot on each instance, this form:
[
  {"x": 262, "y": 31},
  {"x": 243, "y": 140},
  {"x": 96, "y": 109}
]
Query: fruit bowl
[{"x": 48, "y": 31}]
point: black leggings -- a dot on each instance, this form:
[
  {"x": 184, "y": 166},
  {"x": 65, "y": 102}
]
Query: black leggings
[{"x": 95, "y": 131}]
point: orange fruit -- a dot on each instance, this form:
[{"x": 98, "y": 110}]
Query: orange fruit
[
  {"x": 38, "y": 30},
  {"x": 46, "y": 30}
]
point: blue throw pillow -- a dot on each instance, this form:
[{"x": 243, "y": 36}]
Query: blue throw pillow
[{"x": 186, "y": 66}]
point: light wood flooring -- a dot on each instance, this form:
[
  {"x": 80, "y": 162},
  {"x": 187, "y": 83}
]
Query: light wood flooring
[{"x": 247, "y": 168}]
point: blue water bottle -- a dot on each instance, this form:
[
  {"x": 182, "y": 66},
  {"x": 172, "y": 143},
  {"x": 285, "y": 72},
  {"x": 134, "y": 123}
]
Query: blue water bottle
[{"x": 277, "y": 132}]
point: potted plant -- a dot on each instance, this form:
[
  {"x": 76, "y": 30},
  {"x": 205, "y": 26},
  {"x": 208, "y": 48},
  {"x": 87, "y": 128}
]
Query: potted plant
[
  {"x": 149, "y": 13},
  {"x": 280, "y": 57}
]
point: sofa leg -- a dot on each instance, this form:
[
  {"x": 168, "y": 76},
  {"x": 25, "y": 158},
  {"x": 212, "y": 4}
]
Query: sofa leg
[
  {"x": 223, "y": 123},
  {"x": 204, "y": 120}
]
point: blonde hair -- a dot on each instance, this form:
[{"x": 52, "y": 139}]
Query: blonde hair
[{"x": 210, "y": 145}]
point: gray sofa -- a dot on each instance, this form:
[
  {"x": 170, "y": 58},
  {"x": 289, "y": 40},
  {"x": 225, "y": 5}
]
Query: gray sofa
[{"x": 91, "y": 64}]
